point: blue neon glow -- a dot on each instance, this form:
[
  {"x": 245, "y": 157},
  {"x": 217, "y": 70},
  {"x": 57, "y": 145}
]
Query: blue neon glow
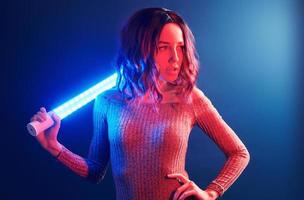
[{"x": 82, "y": 99}]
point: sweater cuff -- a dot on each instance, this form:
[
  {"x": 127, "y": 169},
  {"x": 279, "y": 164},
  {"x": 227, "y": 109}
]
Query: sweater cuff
[
  {"x": 60, "y": 154},
  {"x": 216, "y": 187}
]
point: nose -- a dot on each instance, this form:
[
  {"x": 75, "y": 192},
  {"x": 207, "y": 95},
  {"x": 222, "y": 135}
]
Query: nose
[{"x": 174, "y": 56}]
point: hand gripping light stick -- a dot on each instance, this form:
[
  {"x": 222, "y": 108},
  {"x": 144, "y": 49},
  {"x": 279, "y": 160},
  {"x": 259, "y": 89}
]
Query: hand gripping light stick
[{"x": 72, "y": 105}]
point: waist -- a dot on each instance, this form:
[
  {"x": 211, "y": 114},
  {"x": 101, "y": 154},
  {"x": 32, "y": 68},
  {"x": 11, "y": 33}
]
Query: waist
[{"x": 143, "y": 185}]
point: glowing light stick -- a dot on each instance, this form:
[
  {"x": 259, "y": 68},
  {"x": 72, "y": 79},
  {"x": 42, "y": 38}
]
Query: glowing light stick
[{"x": 72, "y": 105}]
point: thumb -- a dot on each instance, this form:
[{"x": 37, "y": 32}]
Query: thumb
[{"x": 56, "y": 119}]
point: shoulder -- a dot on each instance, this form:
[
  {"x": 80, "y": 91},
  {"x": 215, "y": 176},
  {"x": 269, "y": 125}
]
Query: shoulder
[
  {"x": 201, "y": 104},
  {"x": 199, "y": 99},
  {"x": 103, "y": 101},
  {"x": 197, "y": 94},
  {"x": 111, "y": 95}
]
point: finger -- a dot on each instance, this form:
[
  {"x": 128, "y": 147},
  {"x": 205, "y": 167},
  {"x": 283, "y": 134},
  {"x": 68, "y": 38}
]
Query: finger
[
  {"x": 42, "y": 115},
  {"x": 39, "y": 118},
  {"x": 187, "y": 194},
  {"x": 42, "y": 109},
  {"x": 180, "y": 190},
  {"x": 33, "y": 118},
  {"x": 179, "y": 176},
  {"x": 56, "y": 118}
]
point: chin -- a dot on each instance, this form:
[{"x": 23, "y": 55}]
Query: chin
[{"x": 171, "y": 80}]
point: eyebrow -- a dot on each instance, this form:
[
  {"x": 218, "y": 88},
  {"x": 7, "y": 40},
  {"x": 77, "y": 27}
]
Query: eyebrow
[{"x": 163, "y": 42}]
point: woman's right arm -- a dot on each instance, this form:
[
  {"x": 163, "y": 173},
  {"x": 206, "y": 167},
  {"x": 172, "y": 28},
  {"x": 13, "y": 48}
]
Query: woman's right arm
[
  {"x": 94, "y": 167},
  {"x": 48, "y": 138}
]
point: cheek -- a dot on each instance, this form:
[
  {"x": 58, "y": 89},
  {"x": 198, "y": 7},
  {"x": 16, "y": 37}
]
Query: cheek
[
  {"x": 162, "y": 58},
  {"x": 181, "y": 57},
  {"x": 159, "y": 67},
  {"x": 160, "y": 62}
]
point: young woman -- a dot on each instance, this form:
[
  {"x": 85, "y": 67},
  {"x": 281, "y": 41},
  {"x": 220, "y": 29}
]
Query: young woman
[{"x": 142, "y": 125}]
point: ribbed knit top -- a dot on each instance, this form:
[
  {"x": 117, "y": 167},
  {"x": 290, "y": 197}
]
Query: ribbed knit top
[{"x": 145, "y": 142}]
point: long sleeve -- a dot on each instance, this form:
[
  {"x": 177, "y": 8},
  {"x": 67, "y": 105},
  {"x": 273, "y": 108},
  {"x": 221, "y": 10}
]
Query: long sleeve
[
  {"x": 237, "y": 155},
  {"x": 95, "y": 166}
]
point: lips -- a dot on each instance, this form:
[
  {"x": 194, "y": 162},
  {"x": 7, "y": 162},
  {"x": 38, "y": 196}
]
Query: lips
[{"x": 172, "y": 70}]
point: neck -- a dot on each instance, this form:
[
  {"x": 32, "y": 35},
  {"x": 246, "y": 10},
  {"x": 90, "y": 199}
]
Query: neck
[{"x": 167, "y": 89}]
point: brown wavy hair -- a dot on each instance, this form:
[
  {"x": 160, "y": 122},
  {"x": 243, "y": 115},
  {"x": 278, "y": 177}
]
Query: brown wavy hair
[{"x": 135, "y": 64}]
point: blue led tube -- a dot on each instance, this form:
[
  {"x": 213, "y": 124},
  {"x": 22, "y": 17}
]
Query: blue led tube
[{"x": 64, "y": 110}]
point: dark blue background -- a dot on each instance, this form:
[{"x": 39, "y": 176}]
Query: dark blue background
[{"x": 250, "y": 69}]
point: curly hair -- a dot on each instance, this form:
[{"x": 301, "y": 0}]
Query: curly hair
[{"x": 135, "y": 64}]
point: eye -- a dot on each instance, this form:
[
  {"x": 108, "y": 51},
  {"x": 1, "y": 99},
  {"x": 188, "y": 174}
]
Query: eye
[
  {"x": 162, "y": 48},
  {"x": 181, "y": 47}
]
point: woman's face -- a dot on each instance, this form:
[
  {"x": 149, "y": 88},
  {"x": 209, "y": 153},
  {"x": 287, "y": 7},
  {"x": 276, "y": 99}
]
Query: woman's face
[{"x": 169, "y": 55}]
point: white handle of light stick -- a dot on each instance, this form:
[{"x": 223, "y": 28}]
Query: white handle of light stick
[{"x": 36, "y": 127}]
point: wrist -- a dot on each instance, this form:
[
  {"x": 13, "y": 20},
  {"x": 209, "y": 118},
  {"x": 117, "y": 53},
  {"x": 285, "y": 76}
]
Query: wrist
[
  {"x": 212, "y": 193},
  {"x": 55, "y": 149}
]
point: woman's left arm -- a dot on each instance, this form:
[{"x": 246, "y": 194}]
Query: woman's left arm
[{"x": 225, "y": 138}]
